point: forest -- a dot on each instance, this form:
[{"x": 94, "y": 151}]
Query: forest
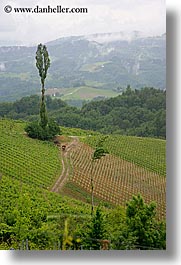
[{"x": 138, "y": 112}]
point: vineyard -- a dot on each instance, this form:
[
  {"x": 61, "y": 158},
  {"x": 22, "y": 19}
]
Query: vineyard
[
  {"x": 42, "y": 186},
  {"x": 30, "y": 161},
  {"x": 134, "y": 165},
  {"x": 148, "y": 153},
  {"x": 33, "y": 213},
  {"x": 40, "y": 199}
]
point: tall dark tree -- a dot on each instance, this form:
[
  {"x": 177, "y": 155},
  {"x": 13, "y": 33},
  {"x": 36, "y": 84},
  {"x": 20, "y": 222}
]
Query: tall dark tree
[
  {"x": 45, "y": 129},
  {"x": 42, "y": 63}
]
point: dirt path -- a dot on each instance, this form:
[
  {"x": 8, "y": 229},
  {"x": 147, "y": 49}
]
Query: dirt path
[{"x": 65, "y": 165}]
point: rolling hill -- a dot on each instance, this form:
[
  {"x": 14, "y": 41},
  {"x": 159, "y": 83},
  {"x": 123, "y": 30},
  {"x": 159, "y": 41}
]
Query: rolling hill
[
  {"x": 45, "y": 190},
  {"x": 133, "y": 165}
]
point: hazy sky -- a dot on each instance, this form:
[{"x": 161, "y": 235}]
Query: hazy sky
[{"x": 148, "y": 16}]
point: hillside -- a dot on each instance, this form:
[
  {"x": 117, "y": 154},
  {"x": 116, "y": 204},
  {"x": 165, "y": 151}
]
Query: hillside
[
  {"x": 137, "y": 164},
  {"x": 21, "y": 160},
  {"x": 42, "y": 187},
  {"x": 33, "y": 218},
  {"x": 133, "y": 165},
  {"x": 85, "y": 61},
  {"x": 28, "y": 210}
]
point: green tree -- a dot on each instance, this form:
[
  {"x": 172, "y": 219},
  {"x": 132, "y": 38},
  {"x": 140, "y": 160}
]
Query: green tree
[
  {"x": 96, "y": 232},
  {"x": 117, "y": 230},
  {"x": 45, "y": 129},
  {"x": 142, "y": 223},
  {"x": 42, "y": 63}
]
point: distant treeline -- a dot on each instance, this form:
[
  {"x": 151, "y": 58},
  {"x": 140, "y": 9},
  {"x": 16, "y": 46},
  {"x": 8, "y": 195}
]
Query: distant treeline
[{"x": 135, "y": 112}]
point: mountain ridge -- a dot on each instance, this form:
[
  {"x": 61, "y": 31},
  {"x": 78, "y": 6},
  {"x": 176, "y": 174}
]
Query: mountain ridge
[{"x": 78, "y": 61}]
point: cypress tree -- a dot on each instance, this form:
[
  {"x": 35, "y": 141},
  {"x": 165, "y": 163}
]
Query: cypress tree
[{"x": 42, "y": 63}]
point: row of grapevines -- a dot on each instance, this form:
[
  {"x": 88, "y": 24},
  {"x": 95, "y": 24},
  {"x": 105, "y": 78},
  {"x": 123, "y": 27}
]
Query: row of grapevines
[
  {"x": 149, "y": 153},
  {"x": 116, "y": 180},
  {"x": 28, "y": 160}
]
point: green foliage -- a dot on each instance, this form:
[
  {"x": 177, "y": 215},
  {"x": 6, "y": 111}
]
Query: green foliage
[
  {"x": 43, "y": 116},
  {"x": 67, "y": 239},
  {"x": 117, "y": 230},
  {"x": 24, "y": 212},
  {"x": 100, "y": 150},
  {"x": 135, "y": 112},
  {"x": 77, "y": 132},
  {"x": 36, "y": 131},
  {"x": 29, "y": 213},
  {"x": 96, "y": 231},
  {"x": 43, "y": 130},
  {"x": 42, "y": 61},
  {"x": 141, "y": 222},
  {"x": 138, "y": 112},
  {"x": 98, "y": 153}
]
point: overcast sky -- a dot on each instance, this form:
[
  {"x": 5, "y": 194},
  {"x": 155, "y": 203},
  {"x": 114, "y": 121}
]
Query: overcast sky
[{"x": 147, "y": 16}]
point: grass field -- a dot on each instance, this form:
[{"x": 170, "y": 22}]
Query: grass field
[
  {"x": 82, "y": 92},
  {"x": 94, "y": 67}
]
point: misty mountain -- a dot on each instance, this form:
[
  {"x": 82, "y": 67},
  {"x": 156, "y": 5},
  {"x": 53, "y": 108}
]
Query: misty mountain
[{"x": 104, "y": 61}]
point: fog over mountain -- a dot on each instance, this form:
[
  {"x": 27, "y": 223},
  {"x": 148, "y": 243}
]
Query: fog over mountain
[
  {"x": 106, "y": 37},
  {"x": 147, "y": 16},
  {"x": 105, "y": 61}
]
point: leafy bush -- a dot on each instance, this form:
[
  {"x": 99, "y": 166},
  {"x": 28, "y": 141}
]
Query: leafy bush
[{"x": 36, "y": 131}]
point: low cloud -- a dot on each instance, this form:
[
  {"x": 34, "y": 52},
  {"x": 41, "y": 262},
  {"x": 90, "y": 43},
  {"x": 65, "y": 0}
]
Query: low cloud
[{"x": 147, "y": 16}]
